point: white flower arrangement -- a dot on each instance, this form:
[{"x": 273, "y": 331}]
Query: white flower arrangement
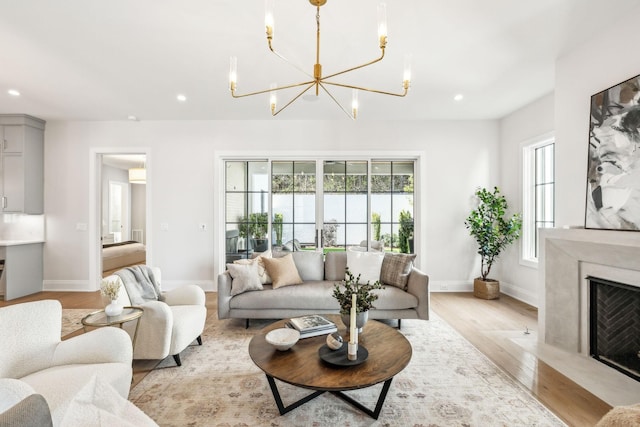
[{"x": 110, "y": 289}]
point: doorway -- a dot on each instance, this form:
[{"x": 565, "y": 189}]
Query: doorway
[{"x": 121, "y": 211}]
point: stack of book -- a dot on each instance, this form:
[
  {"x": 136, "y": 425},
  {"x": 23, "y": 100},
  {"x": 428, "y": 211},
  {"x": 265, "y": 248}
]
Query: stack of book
[{"x": 312, "y": 325}]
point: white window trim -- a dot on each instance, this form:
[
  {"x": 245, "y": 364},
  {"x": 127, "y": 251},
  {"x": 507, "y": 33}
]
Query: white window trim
[{"x": 529, "y": 231}]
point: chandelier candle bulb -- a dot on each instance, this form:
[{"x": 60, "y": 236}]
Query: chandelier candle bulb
[
  {"x": 268, "y": 17},
  {"x": 382, "y": 24},
  {"x": 273, "y": 98},
  {"x": 233, "y": 72},
  {"x": 354, "y": 103},
  {"x": 406, "y": 78}
]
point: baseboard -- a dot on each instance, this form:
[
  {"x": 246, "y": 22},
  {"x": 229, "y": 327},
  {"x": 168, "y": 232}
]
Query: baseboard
[
  {"x": 519, "y": 293},
  {"x": 450, "y": 286},
  {"x": 67, "y": 286},
  {"x": 83, "y": 285}
]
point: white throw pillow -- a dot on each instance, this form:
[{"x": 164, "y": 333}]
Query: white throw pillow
[
  {"x": 366, "y": 264},
  {"x": 265, "y": 279},
  {"x": 244, "y": 278}
]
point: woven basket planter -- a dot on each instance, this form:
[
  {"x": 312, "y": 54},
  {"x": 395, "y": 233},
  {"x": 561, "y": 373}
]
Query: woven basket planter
[{"x": 486, "y": 289}]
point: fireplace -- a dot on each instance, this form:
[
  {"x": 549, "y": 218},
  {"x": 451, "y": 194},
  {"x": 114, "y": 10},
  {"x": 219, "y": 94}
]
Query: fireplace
[{"x": 614, "y": 325}]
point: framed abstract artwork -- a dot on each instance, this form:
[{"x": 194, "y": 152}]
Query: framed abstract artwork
[{"x": 613, "y": 171}]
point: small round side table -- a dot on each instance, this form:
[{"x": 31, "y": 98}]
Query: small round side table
[{"x": 99, "y": 319}]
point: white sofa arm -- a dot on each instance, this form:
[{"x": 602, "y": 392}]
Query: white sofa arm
[
  {"x": 103, "y": 345},
  {"x": 224, "y": 295},
  {"x": 418, "y": 285},
  {"x": 185, "y": 295}
]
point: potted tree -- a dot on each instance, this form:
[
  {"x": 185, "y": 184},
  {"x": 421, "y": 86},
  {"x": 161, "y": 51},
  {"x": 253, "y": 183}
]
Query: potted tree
[{"x": 493, "y": 233}]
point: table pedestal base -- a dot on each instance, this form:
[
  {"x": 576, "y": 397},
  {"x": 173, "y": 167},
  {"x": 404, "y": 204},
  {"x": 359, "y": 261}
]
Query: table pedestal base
[{"x": 372, "y": 413}]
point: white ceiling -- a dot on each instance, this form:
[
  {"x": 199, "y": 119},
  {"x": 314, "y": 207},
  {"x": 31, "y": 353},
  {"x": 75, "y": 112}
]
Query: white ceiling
[{"x": 106, "y": 60}]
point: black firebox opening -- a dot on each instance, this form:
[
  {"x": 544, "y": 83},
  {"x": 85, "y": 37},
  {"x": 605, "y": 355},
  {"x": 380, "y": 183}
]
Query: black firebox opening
[{"x": 614, "y": 325}]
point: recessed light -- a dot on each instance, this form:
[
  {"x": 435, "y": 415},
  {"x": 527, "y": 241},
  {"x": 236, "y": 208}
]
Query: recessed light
[
  {"x": 181, "y": 98},
  {"x": 458, "y": 97},
  {"x": 133, "y": 118},
  {"x": 13, "y": 92}
]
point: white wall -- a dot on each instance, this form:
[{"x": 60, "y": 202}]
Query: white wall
[
  {"x": 608, "y": 59},
  {"x": 532, "y": 121},
  {"x": 459, "y": 156}
]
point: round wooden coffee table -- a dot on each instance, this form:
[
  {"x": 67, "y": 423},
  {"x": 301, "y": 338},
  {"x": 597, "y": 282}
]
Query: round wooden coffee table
[{"x": 389, "y": 353}]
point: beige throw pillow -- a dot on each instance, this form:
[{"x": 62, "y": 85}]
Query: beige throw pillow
[
  {"x": 265, "y": 279},
  {"x": 245, "y": 278},
  {"x": 396, "y": 268},
  {"x": 283, "y": 271}
]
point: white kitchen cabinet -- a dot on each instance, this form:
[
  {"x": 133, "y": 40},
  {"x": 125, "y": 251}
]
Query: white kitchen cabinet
[{"x": 21, "y": 164}]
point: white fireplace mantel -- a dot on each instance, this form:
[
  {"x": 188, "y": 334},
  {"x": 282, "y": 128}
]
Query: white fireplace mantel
[{"x": 565, "y": 256}]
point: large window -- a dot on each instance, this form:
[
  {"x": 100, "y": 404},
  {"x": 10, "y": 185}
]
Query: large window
[
  {"x": 538, "y": 194},
  {"x": 311, "y": 204},
  {"x": 246, "y": 208}
]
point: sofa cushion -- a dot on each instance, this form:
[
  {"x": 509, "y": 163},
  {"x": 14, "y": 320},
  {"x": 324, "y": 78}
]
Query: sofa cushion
[
  {"x": 283, "y": 271},
  {"x": 244, "y": 277},
  {"x": 308, "y": 296},
  {"x": 310, "y": 265},
  {"x": 396, "y": 268},
  {"x": 365, "y": 264},
  {"x": 335, "y": 265}
]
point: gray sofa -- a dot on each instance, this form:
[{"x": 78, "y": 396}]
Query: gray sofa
[{"x": 314, "y": 296}]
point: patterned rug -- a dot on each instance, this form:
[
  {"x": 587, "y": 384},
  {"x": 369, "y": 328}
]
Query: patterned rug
[
  {"x": 447, "y": 383},
  {"x": 71, "y": 319}
]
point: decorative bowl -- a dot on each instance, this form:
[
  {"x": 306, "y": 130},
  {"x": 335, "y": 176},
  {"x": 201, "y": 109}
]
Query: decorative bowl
[{"x": 283, "y": 338}]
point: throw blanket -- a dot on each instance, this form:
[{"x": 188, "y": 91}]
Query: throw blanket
[{"x": 140, "y": 284}]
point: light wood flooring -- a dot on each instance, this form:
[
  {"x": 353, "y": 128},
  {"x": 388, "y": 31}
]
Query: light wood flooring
[{"x": 479, "y": 321}]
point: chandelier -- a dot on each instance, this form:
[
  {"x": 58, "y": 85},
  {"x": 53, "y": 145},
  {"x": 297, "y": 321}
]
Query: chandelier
[{"x": 318, "y": 80}]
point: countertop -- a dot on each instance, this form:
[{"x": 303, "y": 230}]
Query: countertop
[{"x": 19, "y": 242}]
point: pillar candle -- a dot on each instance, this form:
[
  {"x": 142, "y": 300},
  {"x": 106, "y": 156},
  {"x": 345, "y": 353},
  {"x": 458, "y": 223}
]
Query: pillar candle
[{"x": 352, "y": 322}]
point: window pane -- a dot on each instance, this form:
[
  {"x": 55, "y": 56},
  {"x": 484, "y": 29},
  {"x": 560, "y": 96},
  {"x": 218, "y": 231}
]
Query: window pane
[
  {"x": 334, "y": 207},
  {"x": 283, "y": 204},
  {"x": 258, "y": 176},
  {"x": 236, "y": 174},
  {"x": 356, "y": 177},
  {"x": 305, "y": 234},
  {"x": 235, "y": 207},
  {"x": 334, "y": 176},
  {"x": 305, "y": 208},
  {"x": 380, "y": 205},
  {"x": 356, "y": 233},
  {"x": 356, "y": 208}
]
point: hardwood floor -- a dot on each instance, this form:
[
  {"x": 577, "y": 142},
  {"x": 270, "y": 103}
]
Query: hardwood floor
[
  {"x": 483, "y": 323},
  {"x": 486, "y": 324}
]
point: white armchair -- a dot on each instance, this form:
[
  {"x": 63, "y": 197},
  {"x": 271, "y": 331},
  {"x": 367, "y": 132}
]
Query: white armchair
[
  {"x": 32, "y": 352},
  {"x": 167, "y": 327}
]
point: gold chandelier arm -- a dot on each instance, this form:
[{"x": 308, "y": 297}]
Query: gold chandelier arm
[
  {"x": 233, "y": 91},
  {"x": 312, "y": 84},
  {"x": 358, "y": 67},
  {"x": 336, "y": 101},
  {"x": 294, "y": 65},
  {"x": 405, "y": 85}
]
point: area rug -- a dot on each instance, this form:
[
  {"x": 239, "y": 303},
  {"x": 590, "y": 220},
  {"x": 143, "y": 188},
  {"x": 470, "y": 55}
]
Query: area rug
[
  {"x": 447, "y": 383},
  {"x": 71, "y": 319}
]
